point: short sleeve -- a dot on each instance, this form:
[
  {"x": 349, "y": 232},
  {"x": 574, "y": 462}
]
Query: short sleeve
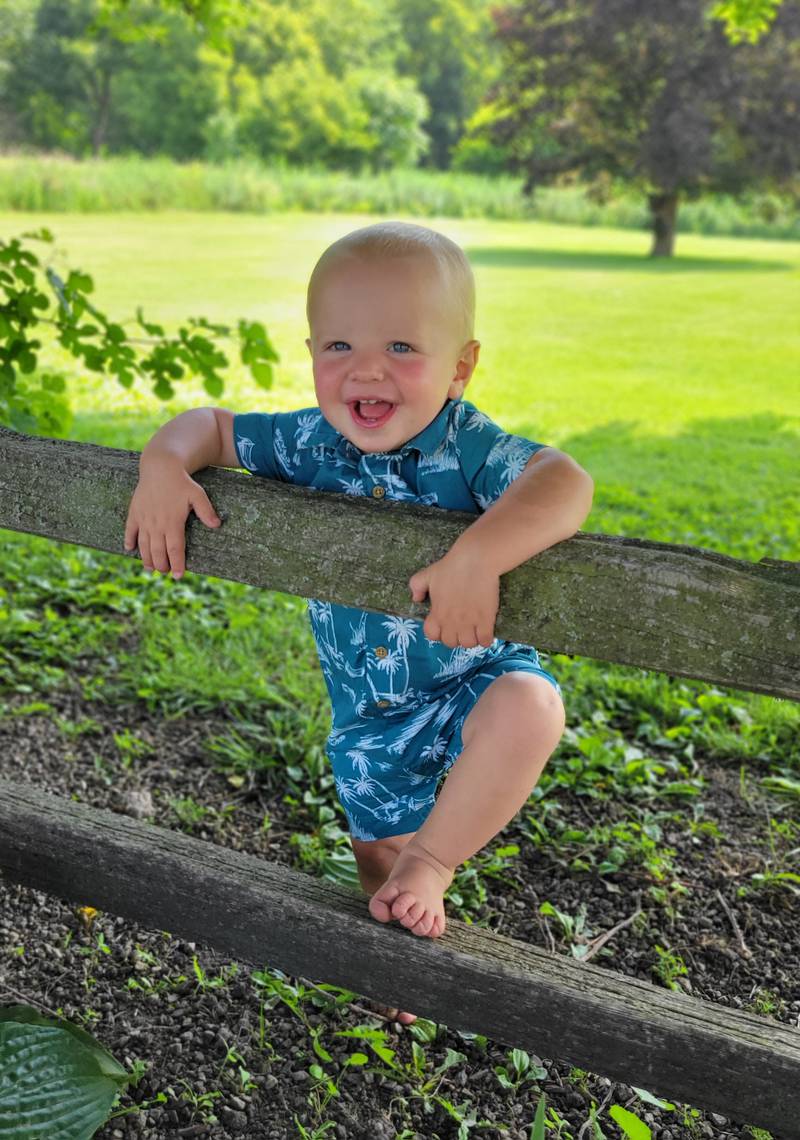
[
  {"x": 254, "y": 439},
  {"x": 490, "y": 458}
]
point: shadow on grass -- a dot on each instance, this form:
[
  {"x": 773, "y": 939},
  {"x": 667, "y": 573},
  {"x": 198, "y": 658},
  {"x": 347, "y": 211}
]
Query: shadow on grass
[
  {"x": 730, "y": 485},
  {"x": 603, "y": 262}
]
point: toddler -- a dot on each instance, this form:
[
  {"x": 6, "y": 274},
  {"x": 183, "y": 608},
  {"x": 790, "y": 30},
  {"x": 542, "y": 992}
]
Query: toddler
[{"x": 390, "y": 310}]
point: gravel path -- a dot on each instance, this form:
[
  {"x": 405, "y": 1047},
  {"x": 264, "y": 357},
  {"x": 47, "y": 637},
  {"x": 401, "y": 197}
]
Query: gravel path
[{"x": 234, "y": 1060}]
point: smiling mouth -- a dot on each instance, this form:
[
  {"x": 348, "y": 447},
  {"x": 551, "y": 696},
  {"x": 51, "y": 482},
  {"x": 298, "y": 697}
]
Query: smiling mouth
[{"x": 371, "y": 413}]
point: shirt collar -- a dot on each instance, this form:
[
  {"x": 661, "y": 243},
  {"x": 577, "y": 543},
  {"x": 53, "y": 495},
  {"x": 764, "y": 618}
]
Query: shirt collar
[{"x": 425, "y": 441}]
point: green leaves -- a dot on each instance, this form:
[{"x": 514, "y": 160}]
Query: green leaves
[
  {"x": 745, "y": 20},
  {"x": 257, "y": 351},
  {"x": 632, "y": 1126},
  {"x": 101, "y": 344},
  {"x": 55, "y": 1080}
]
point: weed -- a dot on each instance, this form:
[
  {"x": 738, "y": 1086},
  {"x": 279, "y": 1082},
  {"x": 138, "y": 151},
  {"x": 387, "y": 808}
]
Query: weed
[
  {"x": 91, "y": 956},
  {"x": 557, "y": 1125},
  {"x": 235, "y": 1058},
  {"x": 669, "y": 967},
  {"x": 573, "y": 927},
  {"x": 518, "y": 1070},
  {"x": 317, "y": 1133},
  {"x": 767, "y": 1003},
  {"x": 85, "y": 726},
  {"x": 202, "y": 1103},
  {"x": 205, "y": 982},
  {"x": 775, "y": 876},
  {"x": 131, "y": 747},
  {"x": 189, "y": 812}
]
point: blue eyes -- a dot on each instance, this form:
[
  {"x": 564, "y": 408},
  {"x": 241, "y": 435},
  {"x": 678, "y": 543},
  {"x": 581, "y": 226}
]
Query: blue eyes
[{"x": 404, "y": 346}]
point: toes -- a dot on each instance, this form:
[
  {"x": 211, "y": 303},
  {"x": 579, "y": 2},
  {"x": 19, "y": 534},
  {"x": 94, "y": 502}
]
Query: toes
[
  {"x": 405, "y": 906},
  {"x": 380, "y": 905},
  {"x": 425, "y": 924}
]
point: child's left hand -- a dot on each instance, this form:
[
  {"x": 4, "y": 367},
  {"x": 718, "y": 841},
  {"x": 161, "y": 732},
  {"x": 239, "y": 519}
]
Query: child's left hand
[{"x": 464, "y": 595}]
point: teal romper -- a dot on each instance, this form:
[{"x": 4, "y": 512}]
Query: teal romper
[{"x": 399, "y": 701}]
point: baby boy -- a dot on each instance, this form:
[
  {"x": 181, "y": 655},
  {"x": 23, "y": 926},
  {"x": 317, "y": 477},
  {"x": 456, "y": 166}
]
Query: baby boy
[{"x": 391, "y": 311}]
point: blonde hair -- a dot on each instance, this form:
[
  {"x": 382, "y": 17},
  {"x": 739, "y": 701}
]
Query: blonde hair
[{"x": 404, "y": 239}]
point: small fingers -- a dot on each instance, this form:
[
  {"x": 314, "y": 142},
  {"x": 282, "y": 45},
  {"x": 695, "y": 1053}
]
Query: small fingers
[
  {"x": 485, "y": 635},
  {"x": 432, "y": 629},
  {"x": 131, "y": 533},
  {"x": 158, "y": 553},
  {"x": 176, "y": 550},
  {"x": 144, "y": 550}
]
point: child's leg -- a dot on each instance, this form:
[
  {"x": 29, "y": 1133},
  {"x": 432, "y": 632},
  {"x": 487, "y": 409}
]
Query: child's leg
[
  {"x": 508, "y": 737},
  {"x": 376, "y": 858}
]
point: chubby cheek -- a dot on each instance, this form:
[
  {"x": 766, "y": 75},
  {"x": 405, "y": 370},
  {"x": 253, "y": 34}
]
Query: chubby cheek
[
  {"x": 327, "y": 380},
  {"x": 413, "y": 370}
]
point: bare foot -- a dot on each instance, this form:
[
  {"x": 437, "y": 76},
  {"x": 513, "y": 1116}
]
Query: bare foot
[{"x": 414, "y": 892}]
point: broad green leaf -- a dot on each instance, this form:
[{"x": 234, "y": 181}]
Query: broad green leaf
[
  {"x": 262, "y": 374},
  {"x": 55, "y": 1079},
  {"x": 357, "y": 1059},
  {"x": 648, "y": 1098},
  {"x": 340, "y": 867},
  {"x": 632, "y": 1126}
]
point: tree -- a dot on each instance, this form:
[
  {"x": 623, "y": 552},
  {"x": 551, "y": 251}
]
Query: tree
[
  {"x": 447, "y": 48},
  {"x": 91, "y": 79},
  {"x": 293, "y": 80},
  {"x": 652, "y": 94}
]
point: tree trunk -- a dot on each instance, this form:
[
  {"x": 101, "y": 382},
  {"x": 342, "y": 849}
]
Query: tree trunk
[
  {"x": 103, "y": 110},
  {"x": 663, "y": 210}
]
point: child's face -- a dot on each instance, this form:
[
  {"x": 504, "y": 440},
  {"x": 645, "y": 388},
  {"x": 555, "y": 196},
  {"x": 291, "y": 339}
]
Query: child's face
[{"x": 384, "y": 330}]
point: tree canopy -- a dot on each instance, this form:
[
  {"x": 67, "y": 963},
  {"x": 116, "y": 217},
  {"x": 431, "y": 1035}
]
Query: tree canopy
[
  {"x": 362, "y": 84},
  {"x": 655, "y": 95}
]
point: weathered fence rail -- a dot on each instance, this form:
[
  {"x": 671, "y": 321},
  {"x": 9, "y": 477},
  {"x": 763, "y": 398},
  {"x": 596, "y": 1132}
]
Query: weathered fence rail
[
  {"x": 738, "y": 1064},
  {"x": 687, "y": 612}
]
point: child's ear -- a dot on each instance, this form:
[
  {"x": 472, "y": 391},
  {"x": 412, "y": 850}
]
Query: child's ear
[
  {"x": 465, "y": 366},
  {"x": 308, "y": 344}
]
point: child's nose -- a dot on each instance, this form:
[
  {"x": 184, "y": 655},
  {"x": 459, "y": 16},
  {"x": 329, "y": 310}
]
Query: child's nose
[
  {"x": 367, "y": 367},
  {"x": 367, "y": 375}
]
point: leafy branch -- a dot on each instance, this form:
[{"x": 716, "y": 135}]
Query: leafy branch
[{"x": 28, "y": 309}]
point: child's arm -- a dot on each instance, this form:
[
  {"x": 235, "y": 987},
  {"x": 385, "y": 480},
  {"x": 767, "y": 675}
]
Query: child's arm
[
  {"x": 166, "y": 493},
  {"x": 544, "y": 505}
]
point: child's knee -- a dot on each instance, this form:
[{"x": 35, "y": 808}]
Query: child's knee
[{"x": 518, "y": 704}]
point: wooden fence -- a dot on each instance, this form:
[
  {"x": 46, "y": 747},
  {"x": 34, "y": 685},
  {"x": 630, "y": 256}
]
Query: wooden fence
[{"x": 685, "y": 611}]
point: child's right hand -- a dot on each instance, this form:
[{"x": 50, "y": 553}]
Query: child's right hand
[{"x": 164, "y": 496}]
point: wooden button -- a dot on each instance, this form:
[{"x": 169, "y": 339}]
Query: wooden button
[
  {"x": 378, "y": 492},
  {"x": 381, "y": 651}
]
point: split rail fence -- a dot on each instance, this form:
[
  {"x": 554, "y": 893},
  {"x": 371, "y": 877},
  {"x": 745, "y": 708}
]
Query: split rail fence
[{"x": 677, "y": 609}]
